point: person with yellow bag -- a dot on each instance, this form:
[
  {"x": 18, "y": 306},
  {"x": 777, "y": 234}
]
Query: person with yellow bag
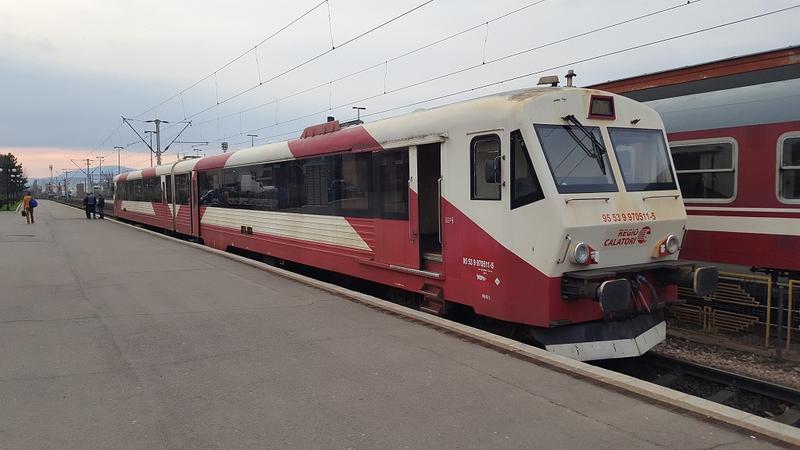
[{"x": 28, "y": 204}]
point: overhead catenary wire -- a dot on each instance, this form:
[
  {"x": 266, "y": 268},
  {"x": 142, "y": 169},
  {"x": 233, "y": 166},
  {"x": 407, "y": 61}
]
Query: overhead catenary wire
[
  {"x": 592, "y": 58},
  {"x": 243, "y": 54},
  {"x": 483, "y": 86},
  {"x": 386, "y": 62},
  {"x": 467, "y": 68},
  {"x": 458, "y": 71},
  {"x": 301, "y": 64},
  {"x": 527, "y": 74}
]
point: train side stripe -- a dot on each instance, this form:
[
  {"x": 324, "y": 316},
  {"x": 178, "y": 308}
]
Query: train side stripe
[
  {"x": 139, "y": 207},
  {"x": 333, "y": 230},
  {"x": 756, "y": 210},
  {"x": 757, "y": 225}
]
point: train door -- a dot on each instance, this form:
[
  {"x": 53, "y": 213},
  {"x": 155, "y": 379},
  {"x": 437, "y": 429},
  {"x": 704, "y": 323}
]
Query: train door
[
  {"x": 429, "y": 206},
  {"x": 194, "y": 211},
  {"x": 166, "y": 187}
]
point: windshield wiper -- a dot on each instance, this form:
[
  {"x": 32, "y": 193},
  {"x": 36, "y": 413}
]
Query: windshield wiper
[{"x": 598, "y": 149}]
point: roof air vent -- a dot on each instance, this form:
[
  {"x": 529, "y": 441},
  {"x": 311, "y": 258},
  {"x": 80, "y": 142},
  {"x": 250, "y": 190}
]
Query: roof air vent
[
  {"x": 552, "y": 80},
  {"x": 323, "y": 128}
]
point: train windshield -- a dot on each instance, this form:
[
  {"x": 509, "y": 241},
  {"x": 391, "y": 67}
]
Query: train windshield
[
  {"x": 643, "y": 159},
  {"x": 575, "y": 161}
]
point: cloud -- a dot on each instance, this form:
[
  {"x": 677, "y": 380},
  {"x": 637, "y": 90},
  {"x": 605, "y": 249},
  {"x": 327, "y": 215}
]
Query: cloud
[
  {"x": 36, "y": 160},
  {"x": 69, "y": 70}
]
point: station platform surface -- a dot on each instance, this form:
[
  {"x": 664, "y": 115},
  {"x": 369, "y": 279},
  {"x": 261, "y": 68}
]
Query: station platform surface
[{"x": 111, "y": 337}]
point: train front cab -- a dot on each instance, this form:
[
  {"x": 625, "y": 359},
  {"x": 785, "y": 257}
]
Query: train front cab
[{"x": 614, "y": 221}]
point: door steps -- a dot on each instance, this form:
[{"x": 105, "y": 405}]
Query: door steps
[{"x": 432, "y": 300}]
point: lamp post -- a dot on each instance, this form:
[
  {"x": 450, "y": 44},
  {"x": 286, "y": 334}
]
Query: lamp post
[
  {"x": 10, "y": 172},
  {"x": 358, "y": 112},
  {"x": 252, "y": 139},
  {"x": 15, "y": 180}
]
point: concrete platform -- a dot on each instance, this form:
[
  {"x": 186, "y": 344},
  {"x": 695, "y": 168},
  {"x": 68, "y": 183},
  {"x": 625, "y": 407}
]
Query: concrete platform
[{"x": 111, "y": 337}]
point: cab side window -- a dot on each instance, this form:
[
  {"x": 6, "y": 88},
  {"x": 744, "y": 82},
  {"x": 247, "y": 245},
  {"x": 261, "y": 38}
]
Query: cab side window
[
  {"x": 525, "y": 187},
  {"x": 485, "y": 167}
]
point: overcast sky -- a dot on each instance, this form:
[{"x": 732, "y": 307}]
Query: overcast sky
[{"x": 70, "y": 69}]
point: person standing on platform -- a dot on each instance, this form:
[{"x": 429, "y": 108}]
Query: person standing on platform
[
  {"x": 101, "y": 204},
  {"x": 91, "y": 206},
  {"x": 86, "y": 205},
  {"x": 28, "y": 203}
]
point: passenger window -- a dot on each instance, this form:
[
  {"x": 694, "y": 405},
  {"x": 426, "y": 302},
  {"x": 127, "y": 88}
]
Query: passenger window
[
  {"x": 349, "y": 185},
  {"x": 789, "y": 171},
  {"x": 525, "y": 187},
  {"x": 486, "y": 176},
  {"x": 182, "y": 182},
  {"x": 706, "y": 170},
  {"x": 393, "y": 183},
  {"x": 137, "y": 191},
  {"x": 168, "y": 187},
  {"x": 209, "y": 186}
]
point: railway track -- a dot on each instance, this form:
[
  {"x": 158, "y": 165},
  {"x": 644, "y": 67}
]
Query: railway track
[
  {"x": 758, "y": 397},
  {"x": 748, "y": 394}
]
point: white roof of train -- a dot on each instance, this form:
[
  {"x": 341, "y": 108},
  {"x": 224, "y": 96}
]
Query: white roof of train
[
  {"x": 417, "y": 127},
  {"x": 748, "y": 105}
]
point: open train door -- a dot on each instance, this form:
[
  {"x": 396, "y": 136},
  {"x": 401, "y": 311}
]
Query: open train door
[{"x": 428, "y": 216}]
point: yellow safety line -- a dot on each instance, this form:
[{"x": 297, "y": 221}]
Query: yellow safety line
[
  {"x": 792, "y": 283},
  {"x": 769, "y": 313}
]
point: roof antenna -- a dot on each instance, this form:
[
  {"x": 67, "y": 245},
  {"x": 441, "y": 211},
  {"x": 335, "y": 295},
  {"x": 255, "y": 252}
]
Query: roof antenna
[{"x": 569, "y": 76}]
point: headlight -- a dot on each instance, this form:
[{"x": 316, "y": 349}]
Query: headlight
[
  {"x": 581, "y": 253},
  {"x": 672, "y": 244}
]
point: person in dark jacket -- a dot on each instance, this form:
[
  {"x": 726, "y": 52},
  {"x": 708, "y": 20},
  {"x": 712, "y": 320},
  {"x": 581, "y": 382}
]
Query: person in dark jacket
[
  {"x": 86, "y": 206},
  {"x": 90, "y": 203},
  {"x": 101, "y": 204}
]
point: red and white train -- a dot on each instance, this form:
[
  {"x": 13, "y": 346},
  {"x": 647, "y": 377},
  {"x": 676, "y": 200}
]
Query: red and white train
[
  {"x": 555, "y": 209},
  {"x": 734, "y": 131}
]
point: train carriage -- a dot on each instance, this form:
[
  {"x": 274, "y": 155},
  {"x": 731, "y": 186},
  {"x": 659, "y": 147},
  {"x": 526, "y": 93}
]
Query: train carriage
[
  {"x": 734, "y": 130},
  {"x": 555, "y": 209}
]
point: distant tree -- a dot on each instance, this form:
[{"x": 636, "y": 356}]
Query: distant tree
[{"x": 12, "y": 180}]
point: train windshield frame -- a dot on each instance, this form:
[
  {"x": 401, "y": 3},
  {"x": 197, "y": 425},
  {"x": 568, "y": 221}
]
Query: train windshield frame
[
  {"x": 575, "y": 170},
  {"x": 643, "y": 158}
]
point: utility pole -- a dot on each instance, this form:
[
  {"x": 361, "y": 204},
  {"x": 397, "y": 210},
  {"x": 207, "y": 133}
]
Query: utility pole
[
  {"x": 66, "y": 181},
  {"x": 252, "y": 139},
  {"x": 150, "y": 132},
  {"x": 100, "y": 169},
  {"x": 119, "y": 166},
  {"x": 158, "y": 123},
  {"x": 85, "y": 172},
  {"x": 50, "y": 190}
]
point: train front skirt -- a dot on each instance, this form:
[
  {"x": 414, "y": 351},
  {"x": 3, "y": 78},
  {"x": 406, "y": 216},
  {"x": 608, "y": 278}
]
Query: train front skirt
[{"x": 605, "y": 340}]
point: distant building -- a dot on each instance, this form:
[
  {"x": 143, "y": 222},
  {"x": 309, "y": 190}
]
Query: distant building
[{"x": 80, "y": 190}]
